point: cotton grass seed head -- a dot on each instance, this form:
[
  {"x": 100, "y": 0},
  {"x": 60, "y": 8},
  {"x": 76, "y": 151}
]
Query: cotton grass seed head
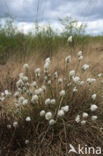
[
  {"x": 76, "y": 79},
  {"x": 35, "y": 98},
  {"x": 68, "y": 59},
  {"x": 77, "y": 119},
  {"x": 94, "y": 117},
  {"x": 48, "y": 115},
  {"x": 16, "y": 94},
  {"x": 93, "y": 96},
  {"x": 80, "y": 58},
  {"x": 9, "y": 126},
  {"x": 26, "y": 142},
  {"x": 42, "y": 113},
  {"x": 62, "y": 93},
  {"x": 52, "y": 122},
  {"x": 55, "y": 75},
  {"x": 100, "y": 75},
  {"x": 25, "y": 102},
  {"x": 85, "y": 67},
  {"x": 34, "y": 84},
  {"x": 47, "y": 60},
  {"x": 85, "y": 115},
  {"x": 75, "y": 90},
  {"x": 47, "y": 101},
  {"x": 72, "y": 73},
  {"x": 37, "y": 72},
  {"x": 93, "y": 107},
  {"x": 28, "y": 119},
  {"x": 26, "y": 66},
  {"x": 80, "y": 53},
  {"x": 15, "y": 124},
  {"x": 60, "y": 113},
  {"x": 53, "y": 101},
  {"x": 91, "y": 80},
  {"x": 65, "y": 108},
  {"x": 70, "y": 39},
  {"x": 83, "y": 122},
  {"x": 60, "y": 81}
]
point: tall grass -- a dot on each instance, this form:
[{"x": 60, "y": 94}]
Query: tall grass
[{"x": 46, "y": 41}]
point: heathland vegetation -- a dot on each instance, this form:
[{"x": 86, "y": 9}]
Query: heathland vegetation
[{"x": 51, "y": 89}]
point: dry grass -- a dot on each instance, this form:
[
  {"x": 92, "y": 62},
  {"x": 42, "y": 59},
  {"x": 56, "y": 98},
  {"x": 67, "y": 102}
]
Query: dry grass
[{"x": 46, "y": 140}]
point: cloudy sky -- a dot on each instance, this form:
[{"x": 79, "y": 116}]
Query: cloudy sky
[{"x": 26, "y": 12}]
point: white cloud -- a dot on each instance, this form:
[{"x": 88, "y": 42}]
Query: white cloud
[
  {"x": 25, "y": 27},
  {"x": 25, "y": 11},
  {"x": 95, "y": 27}
]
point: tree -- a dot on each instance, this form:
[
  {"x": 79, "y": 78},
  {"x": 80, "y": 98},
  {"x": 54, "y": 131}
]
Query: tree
[{"x": 72, "y": 26}]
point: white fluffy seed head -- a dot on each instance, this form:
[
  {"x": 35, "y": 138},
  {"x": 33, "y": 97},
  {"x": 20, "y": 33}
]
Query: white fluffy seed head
[
  {"x": 25, "y": 102},
  {"x": 35, "y": 98},
  {"x": 77, "y": 119},
  {"x": 70, "y": 39},
  {"x": 26, "y": 142},
  {"x": 47, "y": 101},
  {"x": 85, "y": 115},
  {"x": 44, "y": 88},
  {"x": 93, "y": 96},
  {"x": 60, "y": 80},
  {"x": 36, "y": 91},
  {"x": 72, "y": 73},
  {"x": 82, "y": 83},
  {"x": 16, "y": 94},
  {"x": 6, "y": 92},
  {"x": 21, "y": 75},
  {"x": 91, "y": 80},
  {"x": 37, "y": 72},
  {"x": 48, "y": 115},
  {"x": 94, "y": 117},
  {"x": 2, "y": 94},
  {"x": 24, "y": 78},
  {"x": 100, "y": 75},
  {"x": 46, "y": 67},
  {"x": 55, "y": 75},
  {"x": 60, "y": 113},
  {"x": 47, "y": 60},
  {"x": 93, "y": 107},
  {"x": 28, "y": 119},
  {"x": 68, "y": 59},
  {"x": 80, "y": 53},
  {"x": 40, "y": 90},
  {"x": 2, "y": 99},
  {"x": 42, "y": 113},
  {"x": 52, "y": 122},
  {"x": 65, "y": 108},
  {"x": 26, "y": 66},
  {"x": 9, "y": 126},
  {"x": 62, "y": 93},
  {"x": 21, "y": 99},
  {"x": 49, "y": 82},
  {"x": 53, "y": 101},
  {"x": 75, "y": 90},
  {"x": 80, "y": 58},
  {"x": 85, "y": 67},
  {"x": 19, "y": 83},
  {"x": 15, "y": 124},
  {"x": 34, "y": 84},
  {"x": 76, "y": 79},
  {"x": 83, "y": 122}
]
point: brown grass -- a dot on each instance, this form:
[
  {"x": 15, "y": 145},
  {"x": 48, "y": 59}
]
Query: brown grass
[{"x": 44, "y": 140}]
